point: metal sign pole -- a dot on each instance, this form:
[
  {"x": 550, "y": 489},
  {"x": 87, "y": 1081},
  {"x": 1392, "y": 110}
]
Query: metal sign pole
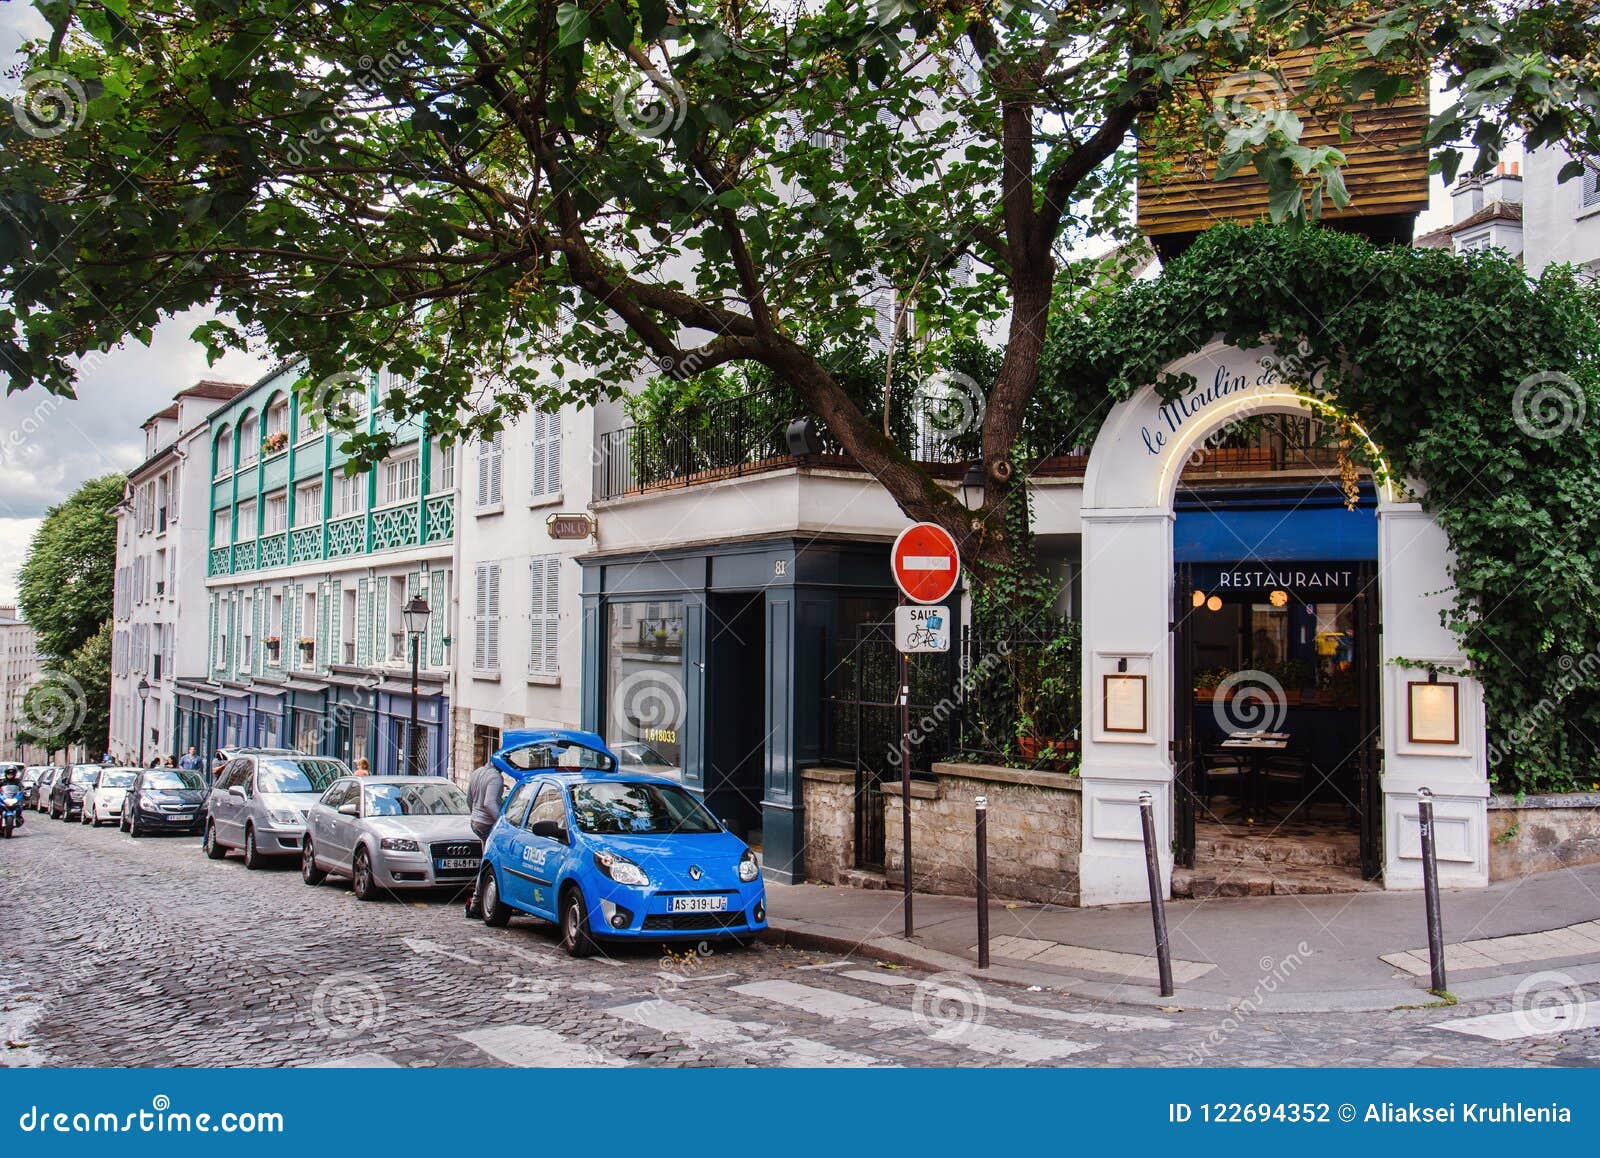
[{"x": 905, "y": 785}]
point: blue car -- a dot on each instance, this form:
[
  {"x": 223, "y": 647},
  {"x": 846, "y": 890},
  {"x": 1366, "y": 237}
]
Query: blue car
[{"x": 605, "y": 853}]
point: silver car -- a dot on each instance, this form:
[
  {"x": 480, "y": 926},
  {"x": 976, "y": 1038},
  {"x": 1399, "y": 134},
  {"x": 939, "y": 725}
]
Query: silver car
[
  {"x": 391, "y": 832},
  {"x": 260, "y": 800}
]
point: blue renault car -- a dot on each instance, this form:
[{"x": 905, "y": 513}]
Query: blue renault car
[{"x": 610, "y": 854}]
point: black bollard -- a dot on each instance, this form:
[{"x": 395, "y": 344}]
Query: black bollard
[
  {"x": 981, "y": 804},
  {"x": 1430, "y": 889},
  {"x": 1158, "y": 911}
]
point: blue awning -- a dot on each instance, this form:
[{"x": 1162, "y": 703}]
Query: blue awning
[{"x": 1289, "y": 530}]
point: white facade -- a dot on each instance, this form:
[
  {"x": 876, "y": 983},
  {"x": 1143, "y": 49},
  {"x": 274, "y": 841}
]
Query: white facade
[
  {"x": 1562, "y": 219},
  {"x": 19, "y": 668},
  {"x": 161, "y": 566}
]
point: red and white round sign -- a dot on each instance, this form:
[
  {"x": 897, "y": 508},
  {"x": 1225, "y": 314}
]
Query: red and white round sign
[{"x": 925, "y": 562}]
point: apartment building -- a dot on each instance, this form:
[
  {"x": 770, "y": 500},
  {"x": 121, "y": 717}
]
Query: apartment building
[
  {"x": 19, "y": 668},
  {"x": 160, "y": 571}
]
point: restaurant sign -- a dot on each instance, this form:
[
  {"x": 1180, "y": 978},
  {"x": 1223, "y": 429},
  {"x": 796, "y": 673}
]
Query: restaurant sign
[{"x": 1304, "y": 580}]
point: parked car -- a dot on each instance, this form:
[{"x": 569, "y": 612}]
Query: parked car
[
  {"x": 31, "y": 775},
  {"x": 606, "y": 853},
  {"x": 66, "y": 794},
  {"x": 259, "y": 802},
  {"x": 102, "y": 803},
  {"x": 165, "y": 800},
  {"x": 397, "y": 832},
  {"x": 41, "y": 792}
]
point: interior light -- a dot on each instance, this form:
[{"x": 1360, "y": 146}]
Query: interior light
[
  {"x": 1279, "y": 598},
  {"x": 1214, "y": 603},
  {"x": 1199, "y": 598}
]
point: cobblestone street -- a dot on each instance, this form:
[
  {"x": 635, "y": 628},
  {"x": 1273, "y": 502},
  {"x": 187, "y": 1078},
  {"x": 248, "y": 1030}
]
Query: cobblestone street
[{"x": 143, "y": 953}]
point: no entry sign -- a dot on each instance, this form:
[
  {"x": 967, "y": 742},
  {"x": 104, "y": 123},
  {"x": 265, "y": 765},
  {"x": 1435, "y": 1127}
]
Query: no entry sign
[{"x": 925, "y": 562}]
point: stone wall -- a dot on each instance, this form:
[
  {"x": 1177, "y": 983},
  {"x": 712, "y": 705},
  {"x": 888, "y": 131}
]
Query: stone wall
[
  {"x": 1535, "y": 834},
  {"x": 830, "y": 824},
  {"x": 1035, "y": 832}
]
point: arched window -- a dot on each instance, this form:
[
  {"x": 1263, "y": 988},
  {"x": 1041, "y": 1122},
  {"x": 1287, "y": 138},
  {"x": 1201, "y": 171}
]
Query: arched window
[
  {"x": 276, "y": 433},
  {"x": 222, "y": 454},
  {"x": 249, "y": 440}
]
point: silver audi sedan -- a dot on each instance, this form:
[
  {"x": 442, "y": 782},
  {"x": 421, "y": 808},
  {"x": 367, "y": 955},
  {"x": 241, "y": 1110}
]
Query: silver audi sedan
[{"x": 391, "y": 832}]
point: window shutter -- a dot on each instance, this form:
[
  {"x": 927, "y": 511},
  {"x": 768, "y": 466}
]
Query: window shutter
[
  {"x": 492, "y": 634},
  {"x": 211, "y": 635},
  {"x": 335, "y": 627},
  {"x": 380, "y": 619},
  {"x": 489, "y": 456},
  {"x": 320, "y": 658},
  {"x": 480, "y": 606},
  {"x": 364, "y": 621},
  {"x": 299, "y": 622},
  {"x": 544, "y": 620},
  {"x": 439, "y": 600},
  {"x": 546, "y": 454},
  {"x": 231, "y": 651}
]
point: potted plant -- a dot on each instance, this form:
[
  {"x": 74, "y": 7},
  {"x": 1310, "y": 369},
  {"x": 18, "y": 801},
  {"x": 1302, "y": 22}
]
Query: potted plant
[
  {"x": 308, "y": 647},
  {"x": 276, "y": 441},
  {"x": 272, "y": 642}
]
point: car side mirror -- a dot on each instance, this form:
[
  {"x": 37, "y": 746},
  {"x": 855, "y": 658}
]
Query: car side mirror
[
  {"x": 552, "y": 829},
  {"x": 351, "y": 809},
  {"x": 236, "y": 790}
]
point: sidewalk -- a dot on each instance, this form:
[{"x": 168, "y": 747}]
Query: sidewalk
[{"x": 1278, "y": 954}]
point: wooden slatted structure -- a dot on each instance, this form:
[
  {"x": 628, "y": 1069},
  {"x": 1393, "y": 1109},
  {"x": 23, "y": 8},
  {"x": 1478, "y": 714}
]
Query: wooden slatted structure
[{"x": 1386, "y": 172}]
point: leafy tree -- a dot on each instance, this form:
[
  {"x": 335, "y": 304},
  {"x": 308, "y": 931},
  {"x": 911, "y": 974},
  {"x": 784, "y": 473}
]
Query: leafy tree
[
  {"x": 71, "y": 702},
  {"x": 519, "y": 202},
  {"x": 66, "y": 580}
]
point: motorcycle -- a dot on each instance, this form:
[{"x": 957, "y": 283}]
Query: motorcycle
[{"x": 10, "y": 809}]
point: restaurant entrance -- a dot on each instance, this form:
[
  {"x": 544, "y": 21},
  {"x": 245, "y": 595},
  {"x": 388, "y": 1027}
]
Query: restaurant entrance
[{"x": 1275, "y": 728}]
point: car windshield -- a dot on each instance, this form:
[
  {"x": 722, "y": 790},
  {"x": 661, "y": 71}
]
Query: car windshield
[
  {"x": 620, "y": 809},
  {"x": 289, "y": 775},
  {"x": 83, "y": 775},
  {"x": 557, "y": 754},
  {"x": 173, "y": 778},
  {"x": 117, "y": 778},
  {"x": 442, "y": 799}
]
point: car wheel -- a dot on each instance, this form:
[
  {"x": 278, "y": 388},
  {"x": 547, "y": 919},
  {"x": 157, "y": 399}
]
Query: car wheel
[
  {"x": 252, "y": 855},
  {"x": 361, "y": 882},
  {"x": 575, "y": 937},
  {"x": 209, "y": 843},
  {"x": 309, "y": 872},
  {"x": 126, "y": 823},
  {"x": 131, "y": 827},
  {"x": 496, "y": 913}
]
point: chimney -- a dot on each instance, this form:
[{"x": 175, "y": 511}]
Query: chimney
[{"x": 1504, "y": 184}]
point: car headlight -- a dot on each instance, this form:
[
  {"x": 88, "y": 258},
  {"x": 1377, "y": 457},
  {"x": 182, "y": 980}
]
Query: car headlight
[
  {"x": 749, "y": 867},
  {"x": 397, "y": 844},
  {"x": 287, "y": 817},
  {"x": 620, "y": 869}
]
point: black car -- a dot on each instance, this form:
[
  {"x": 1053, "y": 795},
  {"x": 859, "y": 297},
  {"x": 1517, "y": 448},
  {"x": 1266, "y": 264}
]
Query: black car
[
  {"x": 66, "y": 794},
  {"x": 40, "y": 801},
  {"x": 165, "y": 800}
]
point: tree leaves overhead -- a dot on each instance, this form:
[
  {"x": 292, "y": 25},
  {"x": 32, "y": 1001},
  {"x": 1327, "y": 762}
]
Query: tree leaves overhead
[{"x": 518, "y": 203}]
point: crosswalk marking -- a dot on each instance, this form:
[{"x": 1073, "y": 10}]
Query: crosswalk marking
[
  {"x": 670, "y": 1018},
  {"x": 986, "y": 1039},
  {"x": 531, "y": 1047},
  {"x": 355, "y": 1061},
  {"x": 1526, "y": 1023},
  {"x": 1114, "y": 1022}
]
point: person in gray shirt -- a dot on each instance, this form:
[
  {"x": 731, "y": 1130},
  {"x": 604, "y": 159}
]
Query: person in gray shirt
[{"x": 486, "y": 791}]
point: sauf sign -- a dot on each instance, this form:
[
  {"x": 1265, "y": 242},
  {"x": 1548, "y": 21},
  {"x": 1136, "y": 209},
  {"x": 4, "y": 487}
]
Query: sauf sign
[{"x": 926, "y": 566}]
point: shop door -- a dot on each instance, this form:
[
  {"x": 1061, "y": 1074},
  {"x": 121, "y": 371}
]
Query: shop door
[{"x": 736, "y": 713}]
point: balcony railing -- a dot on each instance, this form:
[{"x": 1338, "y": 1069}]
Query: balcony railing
[
  {"x": 441, "y": 512},
  {"x": 305, "y": 544}
]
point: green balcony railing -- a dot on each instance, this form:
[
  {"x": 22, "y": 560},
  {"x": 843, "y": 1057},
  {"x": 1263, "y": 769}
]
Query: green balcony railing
[
  {"x": 273, "y": 551},
  {"x": 346, "y": 536},
  {"x": 305, "y": 544},
  {"x": 441, "y": 511},
  {"x": 221, "y": 562},
  {"x": 394, "y": 527}
]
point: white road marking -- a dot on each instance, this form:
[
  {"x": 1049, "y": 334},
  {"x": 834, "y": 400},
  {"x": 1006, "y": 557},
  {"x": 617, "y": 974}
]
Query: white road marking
[
  {"x": 799, "y": 1053},
  {"x": 1114, "y": 1022},
  {"x": 671, "y": 1019},
  {"x": 355, "y": 1061},
  {"x": 1011, "y": 1043},
  {"x": 534, "y": 1048},
  {"x": 823, "y": 965},
  {"x": 668, "y": 1017},
  {"x": 423, "y": 945},
  {"x": 1530, "y": 1023}
]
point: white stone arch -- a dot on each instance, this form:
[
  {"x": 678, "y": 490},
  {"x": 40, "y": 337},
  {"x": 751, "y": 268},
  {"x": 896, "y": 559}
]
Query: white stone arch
[{"x": 1127, "y": 512}]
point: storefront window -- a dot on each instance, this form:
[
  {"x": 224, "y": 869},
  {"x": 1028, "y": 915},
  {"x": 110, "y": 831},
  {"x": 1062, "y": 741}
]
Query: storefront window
[{"x": 645, "y": 685}]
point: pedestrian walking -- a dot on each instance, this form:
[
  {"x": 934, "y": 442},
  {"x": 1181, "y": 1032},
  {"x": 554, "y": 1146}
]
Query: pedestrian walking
[
  {"x": 190, "y": 760},
  {"x": 486, "y": 792}
]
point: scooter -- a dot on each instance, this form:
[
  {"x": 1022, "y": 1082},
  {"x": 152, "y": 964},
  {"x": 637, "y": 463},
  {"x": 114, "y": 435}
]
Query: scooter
[{"x": 10, "y": 809}]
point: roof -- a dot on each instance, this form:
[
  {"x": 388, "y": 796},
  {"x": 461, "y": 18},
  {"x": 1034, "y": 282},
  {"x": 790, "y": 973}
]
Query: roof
[
  {"x": 1494, "y": 211},
  {"x": 213, "y": 388},
  {"x": 169, "y": 412}
]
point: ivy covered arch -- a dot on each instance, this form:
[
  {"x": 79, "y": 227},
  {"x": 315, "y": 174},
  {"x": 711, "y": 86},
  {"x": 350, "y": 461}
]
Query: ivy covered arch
[{"x": 1481, "y": 385}]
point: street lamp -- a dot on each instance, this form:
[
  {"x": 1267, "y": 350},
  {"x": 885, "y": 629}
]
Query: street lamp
[
  {"x": 416, "y": 616},
  {"x": 144, "y": 697},
  {"x": 972, "y": 486}
]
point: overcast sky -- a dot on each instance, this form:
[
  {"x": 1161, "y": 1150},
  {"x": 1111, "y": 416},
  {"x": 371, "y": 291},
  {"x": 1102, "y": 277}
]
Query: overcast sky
[{"x": 48, "y": 446}]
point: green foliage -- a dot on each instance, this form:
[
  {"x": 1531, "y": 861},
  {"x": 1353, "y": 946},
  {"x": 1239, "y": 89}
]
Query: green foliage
[
  {"x": 71, "y": 701},
  {"x": 64, "y": 587},
  {"x": 1477, "y": 383}
]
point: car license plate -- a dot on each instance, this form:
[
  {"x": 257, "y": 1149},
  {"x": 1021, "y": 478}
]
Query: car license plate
[
  {"x": 698, "y": 905},
  {"x": 458, "y": 862}
]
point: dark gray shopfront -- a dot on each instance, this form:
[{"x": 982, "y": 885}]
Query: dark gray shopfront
[{"x": 716, "y": 661}]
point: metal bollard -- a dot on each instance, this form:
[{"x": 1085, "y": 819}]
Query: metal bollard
[
  {"x": 1430, "y": 889},
  {"x": 981, "y": 804},
  {"x": 1158, "y": 910}
]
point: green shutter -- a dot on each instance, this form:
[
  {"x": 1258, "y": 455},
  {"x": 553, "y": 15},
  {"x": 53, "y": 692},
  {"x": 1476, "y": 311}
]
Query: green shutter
[
  {"x": 380, "y": 619},
  {"x": 211, "y": 636},
  {"x": 335, "y": 628},
  {"x": 439, "y": 602},
  {"x": 364, "y": 622}
]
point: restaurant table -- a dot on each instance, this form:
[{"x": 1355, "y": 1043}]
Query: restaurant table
[{"x": 1256, "y": 746}]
